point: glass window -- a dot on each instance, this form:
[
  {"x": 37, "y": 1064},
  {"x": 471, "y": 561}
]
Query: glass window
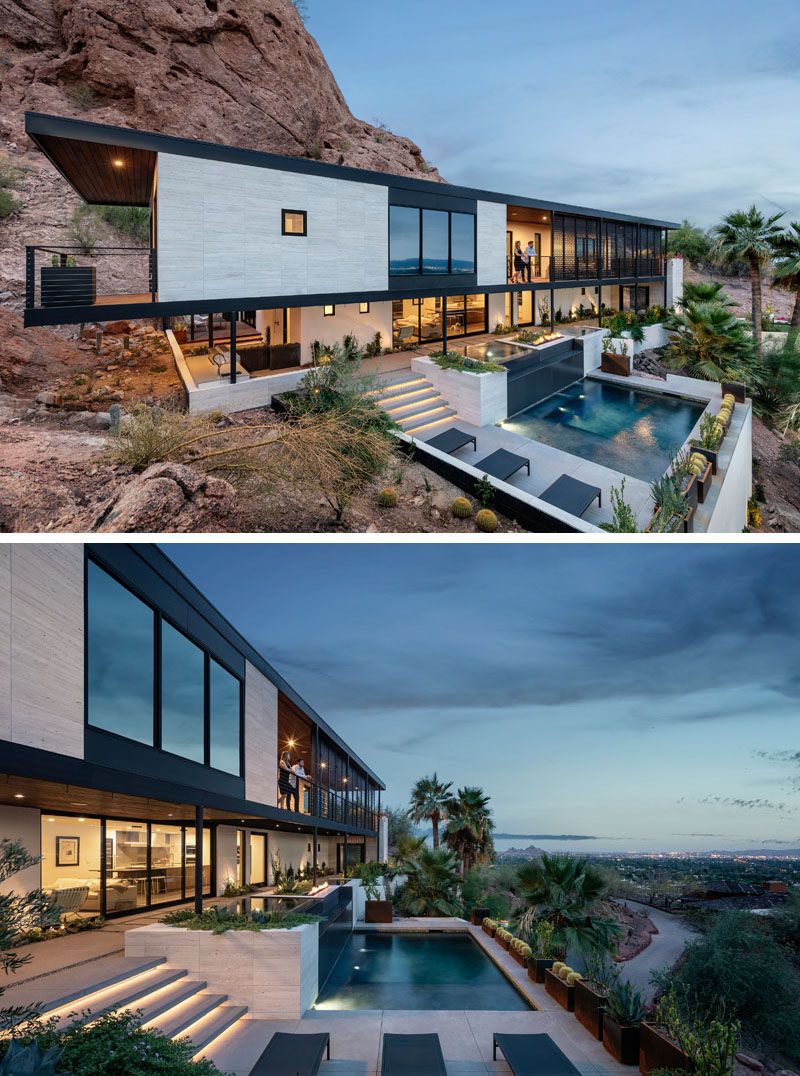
[
  {"x": 166, "y": 863},
  {"x": 329, "y": 311},
  {"x": 182, "y": 695},
  {"x": 435, "y": 241},
  {"x": 224, "y": 718},
  {"x": 403, "y": 241},
  {"x": 462, "y": 243},
  {"x": 294, "y": 222},
  {"x": 120, "y": 663},
  {"x": 126, "y": 865}
]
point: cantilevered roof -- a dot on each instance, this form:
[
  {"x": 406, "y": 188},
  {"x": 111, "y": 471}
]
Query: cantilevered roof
[
  {"x": 104, "y": 171},
  {"x": 84, "y": 153}
]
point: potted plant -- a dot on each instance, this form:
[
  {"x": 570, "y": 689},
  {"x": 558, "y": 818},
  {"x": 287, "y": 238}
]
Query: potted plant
[
  {"x": 504, "y": 937},
  {"x": 622, "y": 1019},
  {"x": 477, "y": 916},
  {"x": 65, "y": 283},
  {"x": 672, "y": 511},
  {"x": 592, "y": 991},
  {"x": 489, "y": 926},
  {"x": 520, "y": 951},
  {"x": 180, "y": 332},
  {"x": 700, "y": 466},
  {"x": 737, "y": 389},
  {"x": 679, "y": 1039},
  {"x": 559, "y": 982},
  {"x": 541, "y": 959},
  {"x": 712, "y": 433},
  {"x": 615, "y": 360},
  {"x": 375, "y": 909}
]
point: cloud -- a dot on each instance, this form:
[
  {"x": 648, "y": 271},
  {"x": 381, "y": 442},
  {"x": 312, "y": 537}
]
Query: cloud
[{"x": 747, "y": 805}]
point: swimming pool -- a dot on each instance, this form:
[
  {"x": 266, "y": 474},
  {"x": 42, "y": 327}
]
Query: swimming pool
[
  {"x": 417, "y": 971},
  {"x": 625, "y": 429},
  {"x": 493, "y": 350}
]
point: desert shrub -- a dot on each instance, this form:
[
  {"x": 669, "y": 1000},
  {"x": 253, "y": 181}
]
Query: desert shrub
[
  {"x": 219, "y": 918},
  {"x": 131, "y": 220},
  {"x": 151, "y": 435},
  {"x": 478, "y": 890},
  {"x": 740, "y": 964},
  {"x": 83, "y": 231}
]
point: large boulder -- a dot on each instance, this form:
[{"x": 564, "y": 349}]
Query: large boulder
[
  {"x": 30, "y": 358},
  {"x": 169, "y": 497}
]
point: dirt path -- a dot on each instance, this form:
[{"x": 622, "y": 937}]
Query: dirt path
[{"x": 663, "y": 950}]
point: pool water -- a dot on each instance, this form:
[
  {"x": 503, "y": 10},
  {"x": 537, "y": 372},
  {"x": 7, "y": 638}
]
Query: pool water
[
  {"x": 625, "y": 429},
  {"x": 492, "y": 350},
  {"x": 416, "y": 971}
]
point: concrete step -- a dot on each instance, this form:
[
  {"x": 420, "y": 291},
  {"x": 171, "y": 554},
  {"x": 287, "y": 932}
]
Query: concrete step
[
  {"x": 125, "y": 968},
  {"x": 174, "y": 1023},
  {"x": 168, "y": 998},
  {"x": 416, "y": 407},
  {"x": 211, "y": 1027},
  {"x": 433, "y": 418},
  {"x": 402, "y": 384},
  {"x": 403, "y": 398},
  {"x": 124, "y": 994}
]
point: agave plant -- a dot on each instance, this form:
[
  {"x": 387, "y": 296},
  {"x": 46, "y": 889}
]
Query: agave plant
[
  {"x": 625, "y": 1004},
  {"x": 30, "y": 1061}
]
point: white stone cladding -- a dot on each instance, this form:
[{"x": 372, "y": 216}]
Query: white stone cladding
[
  {"x": 491, "y": 244},
  {"x": 260, "y": 737},
  {"x": 41, "y": 646},
  {"x": 674, "y": 281},
  {"x": 220, "y": 225}
]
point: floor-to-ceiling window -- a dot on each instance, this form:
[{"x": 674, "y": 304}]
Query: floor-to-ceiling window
[
  {"x": 258, "y": 859},
  {"x": 71, "y": 861},
  {"x": 419, "y": 321},
  {"x": 166, "y": 863},
  {"x": 126, "y": 865}
]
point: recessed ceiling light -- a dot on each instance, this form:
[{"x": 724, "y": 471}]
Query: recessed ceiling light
[
  {"x": 81, "y": 819},
  {"x": 51, "y": 819},
  {"x": 18, "y": 796},
  {"x": 118, "y": 163}
]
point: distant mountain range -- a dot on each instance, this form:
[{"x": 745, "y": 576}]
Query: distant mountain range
[{"x": 543, "y": 837}]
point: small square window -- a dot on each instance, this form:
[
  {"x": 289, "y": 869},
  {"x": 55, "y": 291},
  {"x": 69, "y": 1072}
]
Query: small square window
[
  {"x": 329, "y": 311},
  {"x": 294, "y": 222},
  {"x": 363, "y": 308}
]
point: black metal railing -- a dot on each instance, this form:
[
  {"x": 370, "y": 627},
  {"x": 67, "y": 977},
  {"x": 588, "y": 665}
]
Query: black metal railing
[
  {"x": 317, "y": 800},
  {"x": 72, "y": 276},
  {"x": 566, "y": 267}
]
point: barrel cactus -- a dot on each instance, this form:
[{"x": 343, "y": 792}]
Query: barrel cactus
[
  {"x": 461, "y": 508},
  {"x": 564, "y": 971},
  {"x": 526, "y": 951},
  {"x": 486, "y": 520},
  {"x": 573, "y": 977},
  {"x": 557, "y": 966},
  {"x": 387, "y": 498},
  {"x": 729, "y": 398}
]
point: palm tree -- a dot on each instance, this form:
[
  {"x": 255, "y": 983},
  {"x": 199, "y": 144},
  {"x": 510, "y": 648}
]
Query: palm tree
[
  {"x": 568, "y": 892},
  {"x": 469, "y": 827},
  {"x": 431, "y": 885},
  {"x": 787, "y": 249},
  {"x": 704, "y": 291},
  {"x": 429, "y": 798},
  {"x": 748, "y": 236},
  {"x": 706, "y": 340}
]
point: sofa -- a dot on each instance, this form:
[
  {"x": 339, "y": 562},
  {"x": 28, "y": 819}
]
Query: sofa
[{"x": 83, "y": 894}]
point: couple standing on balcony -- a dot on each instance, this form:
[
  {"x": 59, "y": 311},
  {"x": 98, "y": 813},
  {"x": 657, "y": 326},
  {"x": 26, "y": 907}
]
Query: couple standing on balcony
[
  {"x": 287, "y": 781},
  {"x": 523, "y": 260}
]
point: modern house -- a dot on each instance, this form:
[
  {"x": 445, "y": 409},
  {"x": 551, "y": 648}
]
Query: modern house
[
  {"x": 312, "y": 251},
  {"x": 140, "y": 738}
]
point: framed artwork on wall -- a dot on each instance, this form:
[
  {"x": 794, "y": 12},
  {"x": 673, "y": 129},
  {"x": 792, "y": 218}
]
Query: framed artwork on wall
[{"x": 68, "y": 851}]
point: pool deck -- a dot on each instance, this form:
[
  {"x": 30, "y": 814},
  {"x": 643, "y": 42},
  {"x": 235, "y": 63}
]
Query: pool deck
[{"x": 466, "y": 1036}]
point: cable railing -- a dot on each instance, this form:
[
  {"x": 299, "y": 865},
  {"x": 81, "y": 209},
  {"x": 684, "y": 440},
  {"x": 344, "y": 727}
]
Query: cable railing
[
  {"x": 565, "y": 267},
  {"x": 71, "y": 276},
  {"x": 316, "y": 800}
]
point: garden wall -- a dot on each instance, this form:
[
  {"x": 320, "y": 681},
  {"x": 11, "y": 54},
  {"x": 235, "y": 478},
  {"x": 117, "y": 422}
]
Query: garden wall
[
  {"x": 480, "y": 399},
  {"x": 273, "y": 972}
]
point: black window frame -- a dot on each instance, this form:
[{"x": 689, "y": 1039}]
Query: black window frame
[
  {"x": 421, "y": 271},
  {"x": 329, "y": 310},
  {"x": 363, "y": 308},
  {"x": 159, "y": 617},
  {"x": 298, "y": 213}
]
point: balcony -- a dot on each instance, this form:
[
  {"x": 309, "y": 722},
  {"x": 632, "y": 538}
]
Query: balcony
[
  {"x": 66, "y": 279},
  {"x": 561, "y": 268}
]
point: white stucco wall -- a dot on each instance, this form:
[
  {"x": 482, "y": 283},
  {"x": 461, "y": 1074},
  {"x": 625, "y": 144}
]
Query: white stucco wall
[
  {"x": 219, "y": 232},
  {"x": 22, "y": 824},
  {"x": 497, "y": 308},
  {"x": 347, "y": 320},
  {"x": 491, "y": 244},
  {"x": 674, "y": 280},
  {"x": 729, "y": 515},
  {"x": 226, "y": 857}
]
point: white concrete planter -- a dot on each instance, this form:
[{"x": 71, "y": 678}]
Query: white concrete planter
[
  {"x": 480, "y": 399},
  {"x": 274, "y": 973}
]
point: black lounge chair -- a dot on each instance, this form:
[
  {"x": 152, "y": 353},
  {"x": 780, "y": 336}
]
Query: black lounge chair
[
  {"x": 293, "y": 1055},
  {"x": 502, "y": 464},
  {"x": 412, "y": 1055},
  {"x": 533, "y": 1055},
  {"x": 451, "y": 440},
  {"x": 571, "y": 495}
]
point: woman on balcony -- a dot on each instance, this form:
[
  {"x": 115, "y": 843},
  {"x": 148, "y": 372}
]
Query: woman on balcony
[{"x": 287, "y": 783}]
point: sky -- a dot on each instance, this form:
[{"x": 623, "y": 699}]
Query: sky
[
  {"x": 686, "y": 109},
  {"x": 645, "y": 697}
]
